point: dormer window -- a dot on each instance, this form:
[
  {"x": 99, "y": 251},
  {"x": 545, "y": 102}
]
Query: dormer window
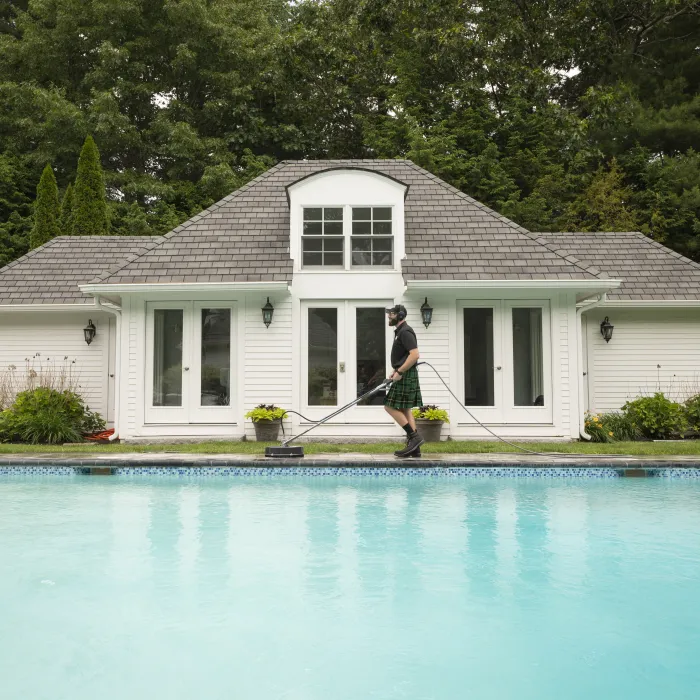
[
  {"x": 322, "y": 238},
  {"x": 368, "y": 230},
  {"x": 372, "y": 239}
]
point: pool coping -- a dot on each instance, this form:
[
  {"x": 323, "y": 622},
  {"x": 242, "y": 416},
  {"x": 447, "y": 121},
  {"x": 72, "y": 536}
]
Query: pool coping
[{"x": 629, "y": 465}]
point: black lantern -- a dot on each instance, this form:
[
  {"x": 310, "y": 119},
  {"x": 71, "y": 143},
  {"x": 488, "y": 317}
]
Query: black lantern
[
  {"x": 606, "y": 329},
  {"x": 426, "y": 311},
  {"x": 89, "y": 332},
  {"x": 268, "y": 310}
]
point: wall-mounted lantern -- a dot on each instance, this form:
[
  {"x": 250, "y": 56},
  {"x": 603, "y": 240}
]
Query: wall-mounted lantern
[
  {"x": 426, "y": 312},
  {"x": 89, "y": 332},
  {"x": 606, "y": 329},
  {"x": 267, "y": 312}
]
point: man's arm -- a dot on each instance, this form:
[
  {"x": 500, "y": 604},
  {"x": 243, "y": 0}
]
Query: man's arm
[{"x": 413, "y": 356}]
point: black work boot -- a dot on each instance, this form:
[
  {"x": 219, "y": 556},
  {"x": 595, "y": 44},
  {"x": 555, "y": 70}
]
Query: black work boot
[
  {"x": 416, "y": 453},
  {"x": 414, "y": 442}
]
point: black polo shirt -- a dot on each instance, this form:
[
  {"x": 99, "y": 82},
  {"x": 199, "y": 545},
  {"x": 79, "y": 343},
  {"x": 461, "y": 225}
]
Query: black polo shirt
[{"x": 404, "y": 341}]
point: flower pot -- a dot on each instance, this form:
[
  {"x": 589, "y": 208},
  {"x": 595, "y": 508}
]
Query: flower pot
[
  {"x": 267, "y": 430},
  {"x": 429, "y": 429}
]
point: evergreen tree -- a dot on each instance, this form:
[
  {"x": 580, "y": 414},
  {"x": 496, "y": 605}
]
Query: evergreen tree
[
  {"x": 89, "y": 202},
  {"x": 65, "y": 222},
  {"x": 46, "y": 210}
]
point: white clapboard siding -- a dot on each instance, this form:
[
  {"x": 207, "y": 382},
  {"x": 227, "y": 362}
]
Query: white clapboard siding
[
  {"x": 651, "y": 350},
  {"x": 56, "y": 335},
  {"x": 564, "y": 345},
  {"x": 267, "y": 357},
  {"x": 434, "y": 347}
]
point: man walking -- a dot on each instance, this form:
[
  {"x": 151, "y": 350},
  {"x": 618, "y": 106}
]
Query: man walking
[{"x": 404, "y": 393}]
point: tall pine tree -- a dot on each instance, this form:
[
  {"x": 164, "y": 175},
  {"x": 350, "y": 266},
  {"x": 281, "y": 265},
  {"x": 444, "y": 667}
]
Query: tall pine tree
[
  {"x": 89, "y": 202},
  {"x": 46, "y": 210},
  {"x": 65, "y": 223}
]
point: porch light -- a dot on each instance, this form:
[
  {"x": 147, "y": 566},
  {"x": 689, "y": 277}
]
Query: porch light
[
  {"x": 606, "y": 329},
  {"x": 426, "y": 311},
  {"x": 267, "y": 312},
  {"x": 89, "y": 332}
]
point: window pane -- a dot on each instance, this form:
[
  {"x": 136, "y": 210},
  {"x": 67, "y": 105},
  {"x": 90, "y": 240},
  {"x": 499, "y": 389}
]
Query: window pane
[
  {"x": 382, "y": 228},
  {"x": 311, "y": 244},
  {"x": 359, "y": 244},
  {"x": 361, "y": 228},
  {"x": 312, "y": 213},
  {"x": 167, "y": 357},
  {"x": 333, "y": 214},
  {"x": 382, "y": 244},
  {"x": 313, "y": 259},
  {"x": 382, "y": 213},
  {"x": 370, "y": 353},
  {"x": 333, "y": 229},
  {"x": 333, "y": 259},
  {"x": 323, "y": 357},
  {"x": 528, "y": 385},
  {"x": 314, "y": 228},
  {"x": 333, "y": 244},
  {"x": 216, "y": 357},
  {"x": 478, "y": 357},
  {"x": 361, "y": 213},
  {"x": 381, "y": 258},
  {"x": 361, "y": 259}
]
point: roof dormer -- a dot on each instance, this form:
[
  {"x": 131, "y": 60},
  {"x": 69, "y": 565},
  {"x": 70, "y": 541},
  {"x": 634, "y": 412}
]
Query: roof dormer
[{"x": 347, "y": 219}]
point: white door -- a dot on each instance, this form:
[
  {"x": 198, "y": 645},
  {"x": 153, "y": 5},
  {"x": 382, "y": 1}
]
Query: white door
[
  {"x": 345, "y": 353},
  {"x": 505, "y": 360},
  {"x": 190, "y": 362}
]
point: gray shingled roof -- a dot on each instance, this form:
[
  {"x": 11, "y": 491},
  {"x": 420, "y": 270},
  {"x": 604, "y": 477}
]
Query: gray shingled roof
[
  {"x": 51, "y": 273},
  {"x": 649, "y": 270},
  {"x": 245, "y": 236}
]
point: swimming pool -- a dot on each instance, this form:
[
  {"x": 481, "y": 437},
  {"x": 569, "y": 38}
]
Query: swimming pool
[{"x": 348, "y": 588}]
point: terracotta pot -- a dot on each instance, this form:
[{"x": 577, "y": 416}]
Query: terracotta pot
[
  {"x": 267, "y": 430},
  {"x": 429, "y": 429}
]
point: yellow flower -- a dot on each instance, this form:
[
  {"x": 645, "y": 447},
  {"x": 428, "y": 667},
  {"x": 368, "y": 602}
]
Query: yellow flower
[
  {"x": 595, "y": 418},
  {"x": 610, "y": 434}
]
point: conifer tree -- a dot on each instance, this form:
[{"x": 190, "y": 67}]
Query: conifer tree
[
  {"x": 46, "y": 210},
  {"x": 65, "y": 222},
  {"x": 89, "y": 202}
]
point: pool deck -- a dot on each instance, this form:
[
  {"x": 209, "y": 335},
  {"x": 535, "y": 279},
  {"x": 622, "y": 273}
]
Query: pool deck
[{"x": 350, "y": 459}]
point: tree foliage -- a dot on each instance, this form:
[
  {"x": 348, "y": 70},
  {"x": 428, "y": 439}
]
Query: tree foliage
[
  {"x": 561, "y": 115},
  {"x": 89, "y": 210},
  {"x": 46, "y": 210}
]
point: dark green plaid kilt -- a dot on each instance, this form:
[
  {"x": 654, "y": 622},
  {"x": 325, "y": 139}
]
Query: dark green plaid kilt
[{"x": 406, "y": 393}]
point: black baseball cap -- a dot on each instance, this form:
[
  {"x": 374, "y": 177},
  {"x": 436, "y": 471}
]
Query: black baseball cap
[{"x": 398, "y": 309}]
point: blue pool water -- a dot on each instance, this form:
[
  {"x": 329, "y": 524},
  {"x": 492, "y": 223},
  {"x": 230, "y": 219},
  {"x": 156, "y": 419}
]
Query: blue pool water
[{"x": 330, "y": 589}]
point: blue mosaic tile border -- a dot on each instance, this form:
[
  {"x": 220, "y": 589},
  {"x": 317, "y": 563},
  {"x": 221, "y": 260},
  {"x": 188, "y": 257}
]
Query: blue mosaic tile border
[{"x": 497, "y": 471}]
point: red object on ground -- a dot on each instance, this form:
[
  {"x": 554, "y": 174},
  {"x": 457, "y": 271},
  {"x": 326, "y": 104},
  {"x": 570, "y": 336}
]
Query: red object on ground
[{"x": 104, "y": 435}]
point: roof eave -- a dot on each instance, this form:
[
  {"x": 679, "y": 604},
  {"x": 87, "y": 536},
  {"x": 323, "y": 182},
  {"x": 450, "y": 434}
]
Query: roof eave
[
  {"x": 184, "y": 287},
  {"x": 591, "y": 285}
]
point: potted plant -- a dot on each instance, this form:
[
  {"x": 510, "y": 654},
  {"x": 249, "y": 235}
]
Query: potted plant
[
  {"x": 429, "y": 420},
  {"x": 267, "y": 419}
]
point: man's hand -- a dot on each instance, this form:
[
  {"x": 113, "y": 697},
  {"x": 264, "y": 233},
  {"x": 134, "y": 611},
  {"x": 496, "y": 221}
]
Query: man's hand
[{"x": 396, "y": 377}]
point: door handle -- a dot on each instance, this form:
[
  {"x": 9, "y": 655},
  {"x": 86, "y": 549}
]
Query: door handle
[
  {"x": 499, "y": 367},
  {"x": 341, "y": 367},
  {"x": 187, "y": 369}
]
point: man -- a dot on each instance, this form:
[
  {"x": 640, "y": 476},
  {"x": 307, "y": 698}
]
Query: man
[{"x": 404, "y": 393}]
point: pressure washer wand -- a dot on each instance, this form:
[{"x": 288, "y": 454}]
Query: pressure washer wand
[{"x": 386, "y": 383}]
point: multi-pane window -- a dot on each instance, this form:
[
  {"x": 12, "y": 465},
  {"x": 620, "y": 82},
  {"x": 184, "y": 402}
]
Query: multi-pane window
[
  {"x": 372, "y": 241},
  {"x": 322, "y": 237}
]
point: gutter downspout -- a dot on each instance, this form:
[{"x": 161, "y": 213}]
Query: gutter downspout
[
  {"x": 116, "y": 310},
  {"x": 581, "y": 407}
]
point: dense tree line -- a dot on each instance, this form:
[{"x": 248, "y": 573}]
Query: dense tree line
[{"x": 561, "y": 114}]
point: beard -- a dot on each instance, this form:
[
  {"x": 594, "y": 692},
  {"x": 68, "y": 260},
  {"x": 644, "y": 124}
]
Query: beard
[{"x": 393, "y": 321}]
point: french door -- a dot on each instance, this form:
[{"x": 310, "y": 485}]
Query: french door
[
  {"x": 345, "y": 353},
  {"x": 189, "y": 362},
  {"x": 505, "y": 360}
]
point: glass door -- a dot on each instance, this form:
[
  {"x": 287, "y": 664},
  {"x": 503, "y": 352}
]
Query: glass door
[
  {"x": 345, "y": 354},
  {"x": 480, "y": 358},
  {"x": 189, "y": 362}
]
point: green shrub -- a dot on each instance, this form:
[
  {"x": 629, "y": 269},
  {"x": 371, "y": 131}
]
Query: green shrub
[
  {"x": 692, "y": 412},
  {"x": 431, "y": 412},
  {"x": 611, "y": 427},
  {"x": 48, "y": 416},
  {"x": 266, "y": 412},
  {"x": 657, "y": 417}
]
